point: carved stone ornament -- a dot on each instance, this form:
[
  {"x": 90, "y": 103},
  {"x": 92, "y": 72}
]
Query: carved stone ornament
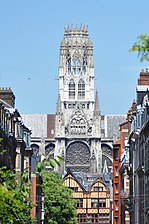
[
  {"x": 77, "y": 124},
  {"x": 79, "y": 169},
  {"x": 78, "y": 153}
]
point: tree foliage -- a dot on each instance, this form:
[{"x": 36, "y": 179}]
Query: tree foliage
[
  {"x": 142, "y": 47},
  {"x": 15, "y": 204},
  {"x": 59, "y": 206}
]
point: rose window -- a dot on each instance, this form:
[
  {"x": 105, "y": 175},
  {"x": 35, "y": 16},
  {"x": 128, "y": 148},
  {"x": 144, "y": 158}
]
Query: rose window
[{"x": 78, "y": 153}]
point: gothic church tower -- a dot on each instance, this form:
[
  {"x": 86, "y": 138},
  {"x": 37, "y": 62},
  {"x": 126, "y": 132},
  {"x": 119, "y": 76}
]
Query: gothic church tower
[{"x": 77, "y": 128}]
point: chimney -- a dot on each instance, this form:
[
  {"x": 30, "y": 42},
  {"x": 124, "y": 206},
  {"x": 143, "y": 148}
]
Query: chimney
[
  {"x": 7, "y": 95},
  {"x": 143, "y": 85},
  {"x": 143, "y": 77}
]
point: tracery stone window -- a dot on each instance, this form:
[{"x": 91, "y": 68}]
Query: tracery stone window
[
  {"x": 73, "y": 65},
  {"x": 35, "y": 157},
  {"x": 107, "y": 149},
  {"x": 69, "y": 65},
  {"x": 84, "y": 63},
  {"x": 78, "y": 156},
  {"x": 35, "y": 149},
  {"x": 106, "y": 164},
  {"x": 76, "y": 66},
  {"x": 107, "y": 155},
  {"x": 81, "y": 89},
  {"x": 72, "y": 89},
  {"x": 78, "y": 124},
  {"x": 49, "y": 153},
  {"x": 49, "y": 149}
]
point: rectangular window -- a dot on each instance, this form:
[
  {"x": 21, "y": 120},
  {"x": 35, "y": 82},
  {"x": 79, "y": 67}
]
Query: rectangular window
[
  {"x": 98, "y": 189},
  {"x": 102, "y": 203},
  {"x": 81, "y": 90},
  {"x": 82, "y": 218},
  {"x": 75, "y": 189},
  {"x": 79, "y": 202},
  {"x": 81, "y": 95},
  {"x": 94, "y": 203},
  {"x": 116, "y": 187},
  {"x": 92, "y": 218},
  {"x": 71, "y": 94},
  {"x": 116, "y": 220},
  {"x": 116, "y": 154},
  {"x": 103, "y": 218},
  {"x": 116, "y": 171},
  {"x": 116, "y": 205},
  {"x": 71, "y": 90}
]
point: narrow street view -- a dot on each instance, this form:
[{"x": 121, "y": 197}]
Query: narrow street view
[{"x": 75, "y": 164}]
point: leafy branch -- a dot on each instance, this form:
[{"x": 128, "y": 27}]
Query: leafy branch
[{"x": 142, "y": 47}]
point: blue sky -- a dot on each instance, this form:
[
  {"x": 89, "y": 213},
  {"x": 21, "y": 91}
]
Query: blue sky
[{"x": 30, "y": 36}]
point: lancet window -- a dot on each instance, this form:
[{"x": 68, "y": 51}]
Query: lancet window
[
  {"x": 81, "y": 89},
  {"x": 84, "y": 63},
  {"x": 50, "y": 149},
  {"x": 69, "y": 65},
  {"x": 76, "y": 66},
  {"x": 72, "y": 89},
  {"x": 73, "y": 65}
]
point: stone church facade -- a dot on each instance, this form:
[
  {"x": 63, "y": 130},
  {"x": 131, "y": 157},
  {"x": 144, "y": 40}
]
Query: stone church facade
[
  {"x": 77, "y": 121},
  {"x": 77, "y": 131}
]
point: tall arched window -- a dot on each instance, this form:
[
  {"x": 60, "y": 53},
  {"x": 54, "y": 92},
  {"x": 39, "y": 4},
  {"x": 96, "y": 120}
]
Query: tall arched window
[
  {"x": 76, "y": 65},
  {"x": 84, "y": 63},
  {"x": 35, "y": 157},
  {"x": 81, "y": 89},
  {"x": 72, "y": 89},
  {"x": 49, "y": 150},
  {"x": 69, "y": 65}
]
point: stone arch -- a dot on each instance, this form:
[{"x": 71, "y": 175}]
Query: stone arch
[
  {"x": 49, "y": 149},
  {"x": 35, "y": 149},
  {"x": 106, "y": 164},
  {"x": 107, "y": 161},
  {"x": 107, "y": 150},
  {"x": 35, "y": 157}
]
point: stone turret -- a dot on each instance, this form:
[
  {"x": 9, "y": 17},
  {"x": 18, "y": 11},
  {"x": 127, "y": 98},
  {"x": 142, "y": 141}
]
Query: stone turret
[{"x": 77, "y": 123}]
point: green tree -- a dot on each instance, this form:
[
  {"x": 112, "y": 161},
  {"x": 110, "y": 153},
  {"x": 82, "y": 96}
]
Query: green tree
[
  {"x": 15, "y": 204},
  {"x": 142, "y": 47},
  {"x": 59, "y": 205}
]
